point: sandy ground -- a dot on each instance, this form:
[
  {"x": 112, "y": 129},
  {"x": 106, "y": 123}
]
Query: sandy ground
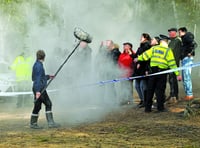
[{"x": 125, "y": 127}]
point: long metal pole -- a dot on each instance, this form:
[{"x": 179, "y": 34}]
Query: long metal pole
[{"x": 61, "y": 66}]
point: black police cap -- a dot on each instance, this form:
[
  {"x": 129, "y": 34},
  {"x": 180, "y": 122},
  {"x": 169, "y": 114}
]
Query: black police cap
[{"x": 164, "y": 37}]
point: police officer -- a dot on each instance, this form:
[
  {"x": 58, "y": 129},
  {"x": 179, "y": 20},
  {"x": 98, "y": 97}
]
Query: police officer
[
  {"x": 39, "y": 79},
  {"x": 22, "y": 67},
  {"x": 161, "y": 58}
]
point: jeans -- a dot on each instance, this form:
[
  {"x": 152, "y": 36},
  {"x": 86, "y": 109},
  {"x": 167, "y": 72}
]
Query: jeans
[
  {"x": 186, "y": 75},
  {"x": 141, "y": 86}
]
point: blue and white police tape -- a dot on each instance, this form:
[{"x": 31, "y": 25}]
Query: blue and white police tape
[{"x": 136, "y": 77}]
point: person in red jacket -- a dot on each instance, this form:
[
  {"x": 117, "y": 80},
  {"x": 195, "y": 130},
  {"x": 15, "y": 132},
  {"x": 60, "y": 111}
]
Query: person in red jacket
[{"x": 125, "y": 63}]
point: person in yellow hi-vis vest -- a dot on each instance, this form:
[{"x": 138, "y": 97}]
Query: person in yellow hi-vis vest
[
  {"x": 22, "y": 65},
  {"x": 161, "y": 59}
]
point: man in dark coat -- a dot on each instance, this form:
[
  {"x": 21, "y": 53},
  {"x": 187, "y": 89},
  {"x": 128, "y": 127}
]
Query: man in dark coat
[
  {"x": 39, "y": 79},
  {"x": 187, "y": 54},
  {"x": 175, "y": 45}
]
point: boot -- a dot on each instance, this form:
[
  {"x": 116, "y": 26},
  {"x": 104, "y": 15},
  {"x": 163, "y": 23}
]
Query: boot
[
  {"x": 51, "y": 123},
  {"x": 33, "y": 122}
]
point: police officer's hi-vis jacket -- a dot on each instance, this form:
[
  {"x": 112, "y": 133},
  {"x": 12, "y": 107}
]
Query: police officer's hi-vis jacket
[
  {"x": 160, "y": 56},
  {"x": 22, "y": 67}
]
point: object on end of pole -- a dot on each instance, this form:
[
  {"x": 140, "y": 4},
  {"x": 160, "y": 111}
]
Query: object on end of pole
[{"x": 82, "y": 35}]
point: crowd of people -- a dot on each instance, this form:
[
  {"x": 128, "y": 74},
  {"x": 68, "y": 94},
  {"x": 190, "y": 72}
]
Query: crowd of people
[
  {"x": 154, "y": 55},
  {"x": 145, "y": 67}
]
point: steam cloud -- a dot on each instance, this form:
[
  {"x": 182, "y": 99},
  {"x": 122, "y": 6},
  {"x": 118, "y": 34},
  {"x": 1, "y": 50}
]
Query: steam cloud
[{"x": 116, "y": 20}]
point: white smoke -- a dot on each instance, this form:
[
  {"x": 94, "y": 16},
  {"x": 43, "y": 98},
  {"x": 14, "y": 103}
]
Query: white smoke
[{"x": 49, "y": 26}]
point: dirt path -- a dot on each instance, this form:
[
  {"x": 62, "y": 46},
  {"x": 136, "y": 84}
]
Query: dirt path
[{"x": 128, "y": 127}]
